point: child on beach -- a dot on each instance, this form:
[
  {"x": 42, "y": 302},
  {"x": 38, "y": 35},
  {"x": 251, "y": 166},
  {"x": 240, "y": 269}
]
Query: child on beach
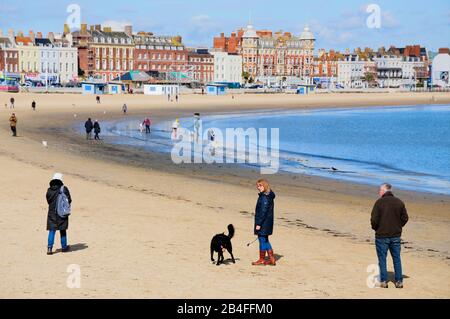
[
  {"x": 33, "y": 105},
  {"x": 124, "y": 109},
  {"x": 264, "y": 222},
  {"x": 54, "y": 221}
]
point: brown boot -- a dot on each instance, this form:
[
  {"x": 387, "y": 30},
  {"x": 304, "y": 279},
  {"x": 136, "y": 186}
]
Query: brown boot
[
  {"x": 260, "y": 261},
  {"x": 271, "y": 261}
]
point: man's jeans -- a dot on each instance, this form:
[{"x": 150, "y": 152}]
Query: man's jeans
[{"x": 393, "y": 245}]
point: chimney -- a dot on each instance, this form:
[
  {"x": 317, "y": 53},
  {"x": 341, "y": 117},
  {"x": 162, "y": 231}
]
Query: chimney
[
  {"x": 69, "y": 38},
  {"x": 83, "y": 30},
  {"x": 129, "y": 30},
  {"x": 92, "y": 28},
  {"x": 39, "y": 35},
  {"x": 51, "y": 36},
  {"x": 444, "y": 51},
  {"x": 32, "y": 37},
  {"x": 66, "y": 29},
  {"x": 222, "y": 35},
  {"x": 98, "y": 27},
  {"x": 107, "y": 29}
]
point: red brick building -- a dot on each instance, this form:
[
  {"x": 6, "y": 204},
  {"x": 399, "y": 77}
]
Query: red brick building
[
  {"x": 326, "y": 63},
  {"x": 103, "y": 53},
  {"x": 81, "y": 41},
  {"x": 201, "y": 66},
  {"x": 230, "y": 44},
  {"x": 9, "y": 56},
  {"x": 165, "y": 54}
]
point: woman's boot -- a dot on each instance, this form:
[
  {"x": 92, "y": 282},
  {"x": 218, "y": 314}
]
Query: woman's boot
[
  {"x": 49, "y": 251},
  {"x": 271, "y": 261},
  {"x": 260, "y": 261}
]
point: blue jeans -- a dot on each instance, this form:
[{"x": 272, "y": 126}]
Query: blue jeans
[
  {"x": 393, "y": 245},
  {"x": 51, "y": 238},
  {"x": 264, "y": 243}
]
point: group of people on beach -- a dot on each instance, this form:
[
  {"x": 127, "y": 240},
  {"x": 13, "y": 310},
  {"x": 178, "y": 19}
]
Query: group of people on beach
[
  {"x": 388, "y": 218},
  {"x": 170, "y": 98},
  {"x": 13, "y": 118},
  {"x": 92, "y": 126}
]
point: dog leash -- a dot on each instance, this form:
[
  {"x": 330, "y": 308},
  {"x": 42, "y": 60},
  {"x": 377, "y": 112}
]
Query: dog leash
[{"x": 248, "y": 244}]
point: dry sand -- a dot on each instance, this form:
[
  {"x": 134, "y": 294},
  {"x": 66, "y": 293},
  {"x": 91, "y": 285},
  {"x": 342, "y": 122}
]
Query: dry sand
[{"x": 141, "y": 226}]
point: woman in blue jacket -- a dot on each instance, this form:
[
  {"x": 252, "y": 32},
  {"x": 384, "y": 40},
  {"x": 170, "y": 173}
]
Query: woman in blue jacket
[{"x": 264, "y": 222}]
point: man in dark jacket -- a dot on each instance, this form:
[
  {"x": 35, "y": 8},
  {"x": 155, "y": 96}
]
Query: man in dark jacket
[
  {"x": 54, "y": 221},
  {"x": 88, "y": 126},
  {"x": 388, "y": 217}
]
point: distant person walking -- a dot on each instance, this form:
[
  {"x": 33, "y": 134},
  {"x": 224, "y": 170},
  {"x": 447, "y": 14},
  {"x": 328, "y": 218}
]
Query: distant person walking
[
  {"x": 98, "y": 99},
  {"x": 197, "y": 126},
  {"x": 54, "y": 221},
  {"x": 264, "y": 219},
  {"x": 175, "y": 126},
  {"x": 13, "y": 124},
  {"x": 147, "y": 123},
  {"x": 97, "y": 130},
  {"x": 176, "y": 98},
  {"x": 168, "y": 97},
  {"x": 11, "y": 103},
  {"x": 388, "y": 218},
  {"x": 124, "y": 109},
  {"x": 33, "y": 105},
  {"x": 89, "y": 126}
]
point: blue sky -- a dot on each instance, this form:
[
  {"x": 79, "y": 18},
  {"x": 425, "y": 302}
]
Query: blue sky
[{"x": 337, "y": 24}]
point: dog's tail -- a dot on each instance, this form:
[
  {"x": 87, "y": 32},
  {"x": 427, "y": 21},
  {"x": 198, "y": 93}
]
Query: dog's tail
[{"x": 230, "y": 231}]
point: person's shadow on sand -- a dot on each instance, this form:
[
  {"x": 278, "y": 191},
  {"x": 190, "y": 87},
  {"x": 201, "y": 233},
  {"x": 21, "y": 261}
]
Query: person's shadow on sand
[
  {"x": 277, "y": 257},
  {"x": 391, "y": 276},
  {"x": 75, "y": 247}
]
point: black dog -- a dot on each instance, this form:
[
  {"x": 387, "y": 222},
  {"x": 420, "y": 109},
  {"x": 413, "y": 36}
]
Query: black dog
[{"x": 220, "y": 242}]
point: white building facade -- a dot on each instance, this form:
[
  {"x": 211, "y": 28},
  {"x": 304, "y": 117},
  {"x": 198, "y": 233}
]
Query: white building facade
[
  {"x": 58, "y": 60},
  {"x": 353, "y": 71},
  {"x": 227, "y": 67},
  {"x": 441, "y": 70},
  {"x": 398, "y": 71}
]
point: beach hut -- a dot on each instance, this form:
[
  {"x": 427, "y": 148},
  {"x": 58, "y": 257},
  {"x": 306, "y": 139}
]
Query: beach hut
[
  {"x": 216, "y": 89},
  {"x": 114, "y": 88},
  {"x": 161, "y": 89},
  {"x": 304, "y": 89},
  {"x": 93, "y": 88}
]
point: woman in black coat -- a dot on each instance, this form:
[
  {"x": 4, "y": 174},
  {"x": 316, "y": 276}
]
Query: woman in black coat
[
  {"x": 264, "y": 222},
  {"x": 97, "y": 130},
  {"x": 54, "y": 221}
]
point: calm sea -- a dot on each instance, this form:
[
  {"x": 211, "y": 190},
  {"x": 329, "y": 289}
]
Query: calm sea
[{"x": 408, "y": 147}]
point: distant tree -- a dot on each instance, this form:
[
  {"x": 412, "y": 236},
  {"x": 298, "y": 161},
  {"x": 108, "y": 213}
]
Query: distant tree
[
  {"x": 369, "y": 78},
  {"x": 246, "y": 76}
]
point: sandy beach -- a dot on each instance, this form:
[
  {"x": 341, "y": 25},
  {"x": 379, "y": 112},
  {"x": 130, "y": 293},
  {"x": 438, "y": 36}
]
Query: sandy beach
[{"x": 141, "y": 225}]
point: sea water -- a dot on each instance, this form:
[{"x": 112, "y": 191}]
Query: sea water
[{"x": 408, "y": 147}]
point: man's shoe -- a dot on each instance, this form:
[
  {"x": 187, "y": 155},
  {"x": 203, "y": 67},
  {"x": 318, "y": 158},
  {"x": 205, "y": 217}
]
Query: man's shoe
[
  {"x": 49, "y": 251},
  {"x": 399, "y": 284},
  {"x": 383, "y": 284}
]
